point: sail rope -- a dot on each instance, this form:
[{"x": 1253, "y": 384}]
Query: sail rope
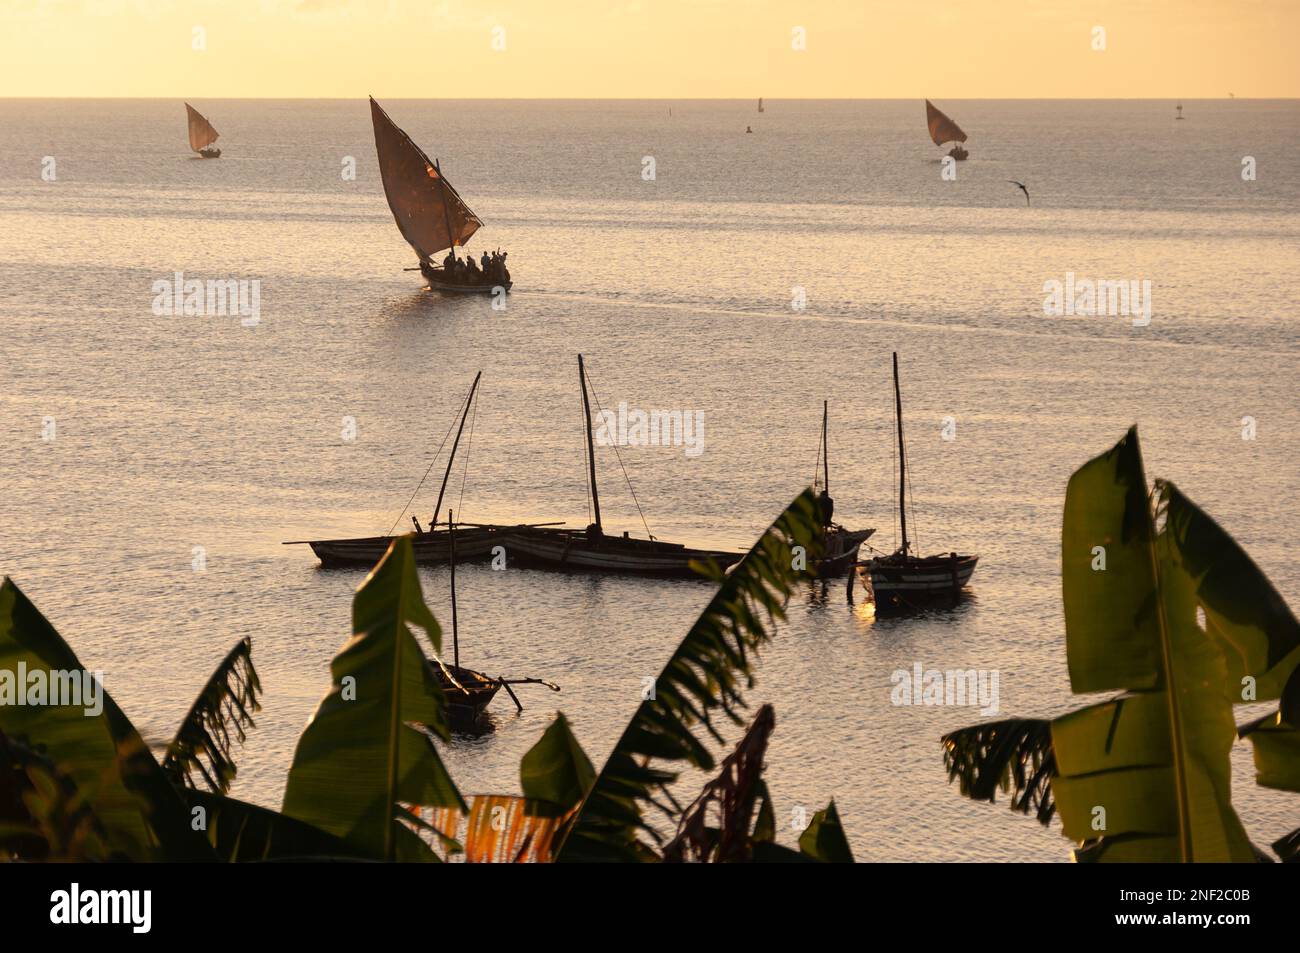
[
  {"x": 618, "y": 456},
  {"x": 469, "y": 445},
  {"x": 817, "y": 474},
  {"x": 426, "y": 473}
]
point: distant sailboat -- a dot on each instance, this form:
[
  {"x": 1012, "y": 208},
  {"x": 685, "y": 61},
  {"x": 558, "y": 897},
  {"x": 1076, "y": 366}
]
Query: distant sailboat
[
  {"x": 1180, "y": 111},
  {"x": 944, "y": 130},
  {"x": 202, "y": 135},
  {"x": 429, "y": 212},
  {"x": 903, "y": 580},
  {"x": 760, "y": 103}
]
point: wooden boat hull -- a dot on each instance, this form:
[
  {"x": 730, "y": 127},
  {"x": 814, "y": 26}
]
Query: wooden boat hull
[
  {"x": 958, "y": 153},
  {"x": 900, "y": 582},
  {"x": 471, "y": 543},
  {"x": 470, "y": 694},
  {"x": 210, "y": 153},
  {"x": 437, "y": 282},
  {"x": 841, "y": 551},
  {"x": 574, "y": 550}
]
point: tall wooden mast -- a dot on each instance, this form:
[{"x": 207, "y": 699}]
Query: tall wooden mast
[
  {"x": 902, "y": 459},
  {"x": 452, "y": 459},
  {"x": 591, "y": 450}
]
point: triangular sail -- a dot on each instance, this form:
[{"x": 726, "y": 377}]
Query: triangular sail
[
  {"x": 429, "y": 212},
  {"x": 942, "y": 129},
  {"x": 202, "y": 134}
]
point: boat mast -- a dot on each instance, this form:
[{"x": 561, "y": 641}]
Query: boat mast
[
  {"x": 455, "y": 629},
  {"x": 902, "y": 458},
  {"x": 826, "y": 450},
  {"x": 452, "y": 459},
  {"x": 591, "y": 450},
  {"x": 446, "y": 216}
]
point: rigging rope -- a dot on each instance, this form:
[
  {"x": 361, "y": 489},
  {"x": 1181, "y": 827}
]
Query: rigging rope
[
  {"x": 469, "y": 445},
  {"x": 426, "y": 472},
  {"x": 619, "y": 457}
]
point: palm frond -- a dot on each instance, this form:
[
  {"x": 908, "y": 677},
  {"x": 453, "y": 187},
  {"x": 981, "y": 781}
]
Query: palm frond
[
  {"x": 1014, "y": 755},
  {"x": 702, "y": 684},
  {"x": 727, "y": 801},
  {"x": 1288, "y": 848},
  {"x": 199, "y": 757}
]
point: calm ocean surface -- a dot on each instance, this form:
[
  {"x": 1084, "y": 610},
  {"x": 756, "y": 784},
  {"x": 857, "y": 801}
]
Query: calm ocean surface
[{"x": 177, "y": 432}]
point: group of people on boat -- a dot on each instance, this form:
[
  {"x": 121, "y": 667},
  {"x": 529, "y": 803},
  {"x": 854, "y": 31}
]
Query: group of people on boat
[{"x": 490, "y": 269}]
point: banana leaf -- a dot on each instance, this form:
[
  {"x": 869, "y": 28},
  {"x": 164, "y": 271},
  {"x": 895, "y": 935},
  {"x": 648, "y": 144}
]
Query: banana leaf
[
  {"x": 140, "y": 813},
  {"x": 362, "y": 754},
  {"x": 43, "y": 816},
  {"x": 225, "y": 706},
  {"x": 240, "y": 832},
  {"x": 1149, "y": 769},
  {"x": 823, "y": 839},
  {"x": 1242, "y": 611},
  {"x": 556, "y": 773},
  {"x": 703, "y": 681}
]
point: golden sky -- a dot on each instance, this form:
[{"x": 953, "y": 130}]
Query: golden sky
[{"x": 649, "y": 48}]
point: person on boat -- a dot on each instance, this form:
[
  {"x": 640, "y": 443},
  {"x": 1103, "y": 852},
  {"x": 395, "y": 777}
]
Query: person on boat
[
  {"x": 594, "y": 532},
  {"x": 827, "y": 507},
  {"x": 486, "y": 262},
  {"x": 472, "y": 274},
  {"x": 449, "y": 263}
]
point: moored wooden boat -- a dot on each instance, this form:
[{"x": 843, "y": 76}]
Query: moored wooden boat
[
  {"x": 592, "y": 549},
  {"x": 583, "y": 549},
  {"x": 431, "y": 545},
  {"x": 202, "y": 135},
  {"x": 468, "y": 692},
  {"x": 903, "y": 580}
]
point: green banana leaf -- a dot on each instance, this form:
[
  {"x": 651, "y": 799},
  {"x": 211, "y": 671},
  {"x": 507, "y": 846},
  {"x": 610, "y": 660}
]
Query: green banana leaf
[
  {"x": 556, "y": 773},
  {"x": 1254, "y": 626},
  {"x": 141, "y": 815},
  {"x": 43, "y": 817},
  {"x": 704, "y": 679},
  {"x": 240, "y": 832},
  {"x": 823, "y": 839},
  {"x": 360, "y": 755},
  {"x": 1150, "y": 769},
  {"x": 1111, "y": 627},
  {"x": 1277, "y": 752},
  {"x": 225, "y": 706}
]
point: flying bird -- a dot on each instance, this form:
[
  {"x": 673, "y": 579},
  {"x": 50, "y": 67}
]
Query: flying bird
[{"x": 1022, "y": 188}]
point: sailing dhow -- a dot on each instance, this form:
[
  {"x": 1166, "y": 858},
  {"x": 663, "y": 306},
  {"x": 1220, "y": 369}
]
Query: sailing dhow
[
  {"x": 903, "y": 580},
  {"x": 431, "y": 215},
  {"x": 944, "y": 130},
  {"x": 202, "y": 135},
  {"x": 591, "y": 549}
]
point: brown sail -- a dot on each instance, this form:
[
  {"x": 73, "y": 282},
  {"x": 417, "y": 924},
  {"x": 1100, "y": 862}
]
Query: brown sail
[
  {"x": 942, "y": 129},
  {"x": 202, "y": 134},
  {"x": 429, "y": 212}
]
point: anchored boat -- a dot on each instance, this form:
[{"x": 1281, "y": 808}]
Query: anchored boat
[
  {"x": 431, "y": 545},
  {"x": 944, "y": 130},
  {"x": 840, "y": 545},
  {"x": 469, "y": 692},
  {"x": 902, "y": 580},
  {"x": 202, "y": 135},
  {"x": 591, "y": 549},
  {"x": 430, "y": 213}
]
